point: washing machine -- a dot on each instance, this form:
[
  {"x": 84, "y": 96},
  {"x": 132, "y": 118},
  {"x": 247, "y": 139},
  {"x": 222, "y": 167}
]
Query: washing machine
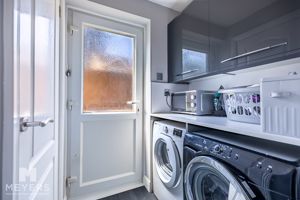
[
  {"x": 167, "y": 154},
  {"x": 221, "y": 165}
]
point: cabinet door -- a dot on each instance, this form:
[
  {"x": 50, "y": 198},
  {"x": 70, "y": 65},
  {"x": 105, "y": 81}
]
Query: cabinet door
[
  {"x": 174, "y": 50},
  {"x": 246, "y": 33},
  {"x": 188, "y": 43}
]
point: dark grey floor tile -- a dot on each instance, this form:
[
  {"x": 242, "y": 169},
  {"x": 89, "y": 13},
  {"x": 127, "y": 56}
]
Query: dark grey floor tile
[{"x": 137, "y": 194}]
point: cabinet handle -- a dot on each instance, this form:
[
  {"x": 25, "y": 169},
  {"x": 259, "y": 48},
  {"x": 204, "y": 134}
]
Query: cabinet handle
[
  {"x": 254, "y": 52},
  {"x": 187, "y": 72},
  {"x": 280, "y": 94}
]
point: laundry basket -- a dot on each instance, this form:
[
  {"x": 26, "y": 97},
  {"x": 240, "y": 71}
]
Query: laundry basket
[{"x": 243, "y": 104}]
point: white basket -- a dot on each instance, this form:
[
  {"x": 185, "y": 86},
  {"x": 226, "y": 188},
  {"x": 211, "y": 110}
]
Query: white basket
[{"x": 243, "y": 104}]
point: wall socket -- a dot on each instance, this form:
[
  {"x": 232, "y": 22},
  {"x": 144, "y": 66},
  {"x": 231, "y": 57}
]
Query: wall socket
[
  {"x": 159, "y": 76},
  {"x": 167, "y": 92}
]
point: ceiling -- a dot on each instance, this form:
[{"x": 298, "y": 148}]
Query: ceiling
[
  {"x": 226, "y": 12},
  {"x": 177, "y": 5}
]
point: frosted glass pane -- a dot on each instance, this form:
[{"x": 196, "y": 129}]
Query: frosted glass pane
[
  {"x": 44, "y": 71},
  {"x": 25, "y": 53},
  {"x": 108, "y": 60},
  {"x": 44, "y": 65}
]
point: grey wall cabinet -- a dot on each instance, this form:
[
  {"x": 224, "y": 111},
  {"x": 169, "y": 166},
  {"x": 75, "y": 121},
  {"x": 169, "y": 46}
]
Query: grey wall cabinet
[
  {"x": 213, "y": 36},
  {"x": 188, "y": 44}
]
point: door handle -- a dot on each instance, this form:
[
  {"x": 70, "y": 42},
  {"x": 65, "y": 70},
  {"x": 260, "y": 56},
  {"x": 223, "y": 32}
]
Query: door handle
[
  {"x": 132, "y": 102},
  {"x": 25, "y": 123}
]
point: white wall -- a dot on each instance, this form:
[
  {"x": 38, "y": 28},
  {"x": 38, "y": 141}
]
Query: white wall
[
  {"x": 159, "y": 100},
  {"x": 247, "y": 76},
  {"x": 243, "y": 77},
  {"x": 160, "y": 17}
]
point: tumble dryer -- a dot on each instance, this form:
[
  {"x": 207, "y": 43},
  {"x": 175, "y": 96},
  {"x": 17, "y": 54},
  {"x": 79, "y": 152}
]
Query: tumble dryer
[{"x": 167, "y": 160}]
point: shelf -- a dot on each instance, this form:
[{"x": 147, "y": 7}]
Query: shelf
[{"x": 222, "y": 123}]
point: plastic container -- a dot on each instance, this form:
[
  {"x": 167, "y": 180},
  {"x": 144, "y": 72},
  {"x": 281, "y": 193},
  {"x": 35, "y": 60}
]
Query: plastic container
[
  {"x": 243, "y": 104},
  {"x": 281, "y": 105}
]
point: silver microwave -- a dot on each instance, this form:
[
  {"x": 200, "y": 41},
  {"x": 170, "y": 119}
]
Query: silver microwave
[{"x": 195, "y": 102}]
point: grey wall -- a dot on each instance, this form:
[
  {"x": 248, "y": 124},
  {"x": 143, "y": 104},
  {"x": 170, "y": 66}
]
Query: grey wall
[{"x": 160, "y": 17}]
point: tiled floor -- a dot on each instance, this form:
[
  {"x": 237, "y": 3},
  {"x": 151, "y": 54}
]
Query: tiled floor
[{"x": 136, "y": 194}]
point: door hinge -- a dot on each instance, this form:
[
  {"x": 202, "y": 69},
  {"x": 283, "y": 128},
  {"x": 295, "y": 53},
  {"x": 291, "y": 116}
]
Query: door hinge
[
  {"x": 69, "y": 105},
  {"x": 68, "y": 73},
  {"x": 59, "y": 11},
  {"x": 73, "y": 29},
  {"x": 70, "y": 180}
]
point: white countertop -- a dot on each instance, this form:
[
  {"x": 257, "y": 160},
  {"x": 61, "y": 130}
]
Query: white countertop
[{"x": 222, "y": 123}]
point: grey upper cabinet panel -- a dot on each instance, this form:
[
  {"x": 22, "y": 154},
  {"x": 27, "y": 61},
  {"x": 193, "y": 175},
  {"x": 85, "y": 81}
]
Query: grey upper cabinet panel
[
  {"x": 255, "y": 32},
  {"x": 188, "y": 43},
  {"x": 218, "y": 36}
]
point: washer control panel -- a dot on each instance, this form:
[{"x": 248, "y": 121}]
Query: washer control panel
[
  {"x": 172, "y": 131},
  {"x": 230, "y": 153},
  {"x": 216, "y": 149},
  {"x": 177, "y": 132}
]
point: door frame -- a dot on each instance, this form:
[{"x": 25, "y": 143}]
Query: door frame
[
  {"x": 8, "y": 123},
  {"x": 97, "y": 9}
]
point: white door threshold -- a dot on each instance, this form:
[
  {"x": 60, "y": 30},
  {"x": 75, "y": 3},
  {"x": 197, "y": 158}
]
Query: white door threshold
[{"x": 96, "y": 196}]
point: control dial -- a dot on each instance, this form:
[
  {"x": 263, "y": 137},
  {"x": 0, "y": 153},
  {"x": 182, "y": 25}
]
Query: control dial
[
  {"x": 166, "y": 130},
  {"x": 269, "y": 169},
  {"x": 218, "y": 149},
  {"x": 259, "y": 165}
]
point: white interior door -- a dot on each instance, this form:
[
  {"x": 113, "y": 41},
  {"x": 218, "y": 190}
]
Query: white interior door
[
  {"x": 105, "y": 106},
  {"x": 37, "y": 169}
]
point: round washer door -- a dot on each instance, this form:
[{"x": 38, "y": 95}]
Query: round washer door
[
  {"x": 167, "y": 161},
  {"x": 207, "y": 179}
]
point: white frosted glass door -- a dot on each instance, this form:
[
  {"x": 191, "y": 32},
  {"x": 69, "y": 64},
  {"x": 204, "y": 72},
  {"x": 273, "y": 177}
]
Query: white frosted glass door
[{"x": 105, "y": 114}]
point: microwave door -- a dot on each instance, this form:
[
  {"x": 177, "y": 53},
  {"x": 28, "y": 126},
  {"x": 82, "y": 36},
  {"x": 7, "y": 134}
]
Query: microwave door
[{"x": 179, "y": 102}]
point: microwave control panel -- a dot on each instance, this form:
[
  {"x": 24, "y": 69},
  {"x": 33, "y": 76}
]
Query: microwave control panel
[{"x": 191, "y": 101}]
